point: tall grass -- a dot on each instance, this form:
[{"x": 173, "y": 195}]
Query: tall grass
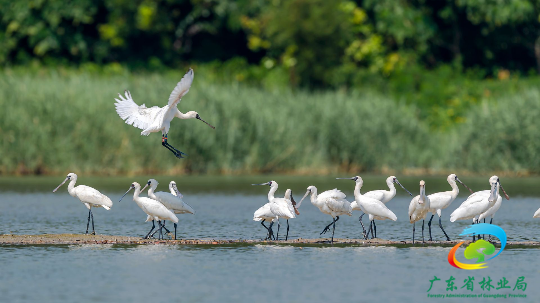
[{"x": 58, "y": 121}]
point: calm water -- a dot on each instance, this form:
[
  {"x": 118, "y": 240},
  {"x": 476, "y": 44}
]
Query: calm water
[{"x": 253, "y": 273}]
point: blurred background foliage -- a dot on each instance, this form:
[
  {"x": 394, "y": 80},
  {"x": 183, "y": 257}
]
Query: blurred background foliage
[{"x": 438, "y": 66}]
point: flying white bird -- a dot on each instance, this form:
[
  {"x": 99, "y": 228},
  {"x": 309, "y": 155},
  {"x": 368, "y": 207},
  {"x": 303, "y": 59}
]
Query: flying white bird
[
  {"x": 156, "y": 119},
  {"x": 173, "y": 200},
  {"x": 331, "y": 202},
  {"x": 280, "y": 207},
  {"x": 152, "y": 208},
  {"x": 89, "y": 196},
  {"x": 384, "y": 195},
  {"x": 440, "y": 201},
  {"x": 373, "y": 207},
  {"x": 419, "y": 208},
  {"x": 479, "y": 202}
]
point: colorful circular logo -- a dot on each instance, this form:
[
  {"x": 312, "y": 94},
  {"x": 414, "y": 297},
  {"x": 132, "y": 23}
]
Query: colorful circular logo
[{"x": 479, "y": 249}]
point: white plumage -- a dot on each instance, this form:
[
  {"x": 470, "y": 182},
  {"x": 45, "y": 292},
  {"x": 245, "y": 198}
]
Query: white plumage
[
  {"x": 157, "y": 119},
  {"x": 375, "y": 209},
  {"x": 91, "y": 197},
  {"x": 152, "y": 208},
  {"x": 173, "y": 200},
  {"x": 441, "y": 200},
  {"x": 386, "y": 195},
  {"x": 418, "y": 208},
  {"x": 331, "y": 202},
  {"x": 479, "y": 202},
  {"x": 537, "y": 214},
  {"x": 278, "y": 207}
]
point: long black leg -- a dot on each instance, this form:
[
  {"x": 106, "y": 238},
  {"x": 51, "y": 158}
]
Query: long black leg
[
  {"x": 160, "y": 230},
  {"x": 423, "y": 221},
  {"x": 267, "y": 230},
  {"x": 327, "y": 228},
  {"x": 473, "y": 238},
  {"x": 277, "y": 235},
  {"x": 375, "y": 229},
  {"x": 429, "y": 227},
  {"x": 93, "y": 230},
  {"x": 88, "y": 222},
  {"x": 334, "y": 229},
  {"x": 414, "y": 228},
  {"x": 175, "y": 226},
  {"x": 175, "y": 151},
  {"x": 163, "y": 225},
  {"x": 157, "y": 230},
  {"x": 363, "y": 228},
  {"x": 148, "y": 234},
  {"x": 371, "y": 226},
  {"x": 367, "y": 232},
  {"x": 271, "y": 231},
  {"x": 440, "y": 225},
  {"x": 287, "y": 236}
]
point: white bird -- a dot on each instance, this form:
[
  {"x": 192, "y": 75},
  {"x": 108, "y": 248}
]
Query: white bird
[
  {"x": 156, "y": 119},
  {"x": 264, "y": 213},
  {"x": 173, "y": 200},
  {"x": 331, "y": 202},
  {"x": 152, "y": 208},
  {"x": 384, "y": 195},
  {"x": 91, "y": 197},
  {"x": 373, "y": 207},
  {"x": 280, "y": 207},
  {"x": 537, "y": 214},
  {"x": 479, "y": 202},
  {"x": 419, "y": 208},
  {"x": 440, "y": 201}
]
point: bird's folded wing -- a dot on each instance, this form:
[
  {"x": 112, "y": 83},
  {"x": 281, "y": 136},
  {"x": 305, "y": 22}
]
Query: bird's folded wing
[
  {"x": 92, "y": 195},
  {"x": 181, "y": 88},
  {"x": 138, "y": 116}
]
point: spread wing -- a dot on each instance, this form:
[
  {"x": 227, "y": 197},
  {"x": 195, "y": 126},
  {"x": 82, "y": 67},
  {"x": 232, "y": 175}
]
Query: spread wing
[
  {"x": 181, "y": 89},
  {"x": 138, "y": 116}
]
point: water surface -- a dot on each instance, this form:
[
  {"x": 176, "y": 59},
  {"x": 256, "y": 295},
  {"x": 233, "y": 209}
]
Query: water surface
[{"x": 131, "y": 273}]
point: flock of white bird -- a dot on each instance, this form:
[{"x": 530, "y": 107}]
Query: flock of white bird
[
  {"x": 163, "y": 206},
  {"x": 158, "y": 206},
  {"x": 480, "y": 205}
]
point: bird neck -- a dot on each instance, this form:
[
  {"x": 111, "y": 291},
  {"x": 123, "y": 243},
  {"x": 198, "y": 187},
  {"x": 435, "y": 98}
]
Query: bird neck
[
  {"x": 357, "y": 193},
  {"x": 181, "y": 115},
  {"x": 455, "y": 188},
  {"x": 422, "y": 195},
  {"x": 392, "y": 188},
  {"x": 314, "y": 195},
  {"x": 136, "y": 193},
  {"x": 71, "y": 187},
  {"x": 271, "y": 193}
]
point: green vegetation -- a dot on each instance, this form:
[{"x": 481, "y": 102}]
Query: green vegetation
[{"x": 64, "y": 120}]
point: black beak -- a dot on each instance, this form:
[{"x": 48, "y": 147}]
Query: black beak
[{"x": 199, "y": 117}]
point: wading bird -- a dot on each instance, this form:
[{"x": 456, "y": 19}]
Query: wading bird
[
  {"x": 89, "y": 196},
  {"x": 373, "y": 207},
  {"x": 280, "y": 207},
  {"x": 479, "y": 202},
  {"x": 419, "y": 208},
  {"x": 173, "y": 200},
  {"x": 156, "y": 119},
  {"x": 153, "y": 209},
  {"x": 264, "y": 213},
  {"x": 383, "y": 195},
  {"x": 537, "y": 214},
  {"x": 331, "y": 202},
  {"x": 440, "y": 201}
]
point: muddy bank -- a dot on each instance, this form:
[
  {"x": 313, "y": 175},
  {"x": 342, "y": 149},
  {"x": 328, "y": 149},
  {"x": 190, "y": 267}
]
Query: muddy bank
[{"x": 73, "y": 239}]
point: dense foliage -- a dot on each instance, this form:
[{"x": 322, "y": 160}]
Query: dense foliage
[{"x": 57, "y": 120}]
